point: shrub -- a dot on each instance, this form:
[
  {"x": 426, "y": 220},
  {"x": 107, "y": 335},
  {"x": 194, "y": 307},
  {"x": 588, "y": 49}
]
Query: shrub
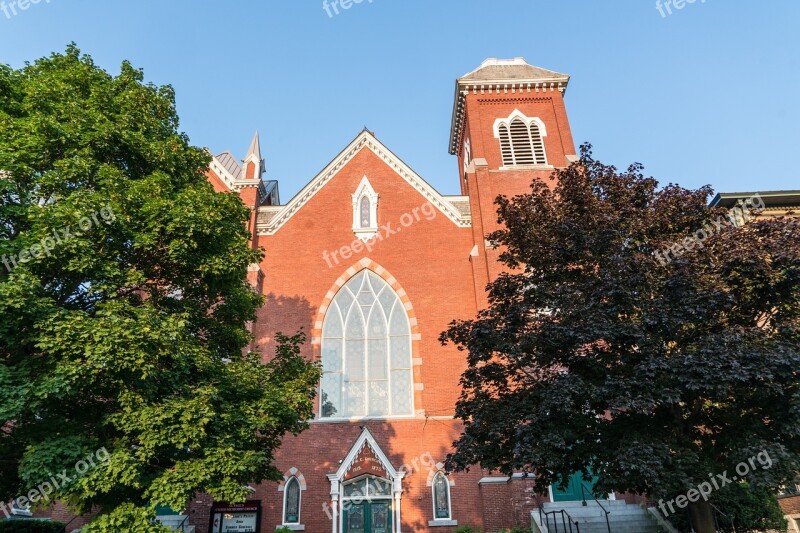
[
  {"x": 30, "y": 525},
  {"x": 468, "y": 529},
  {"x": 746, "y": 508}
]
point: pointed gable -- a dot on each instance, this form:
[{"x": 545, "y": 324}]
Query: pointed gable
[
  {"x": 366, "y": 457},
  {"x": 366, "y": 462},
  {"x": 269, "y": 225}
]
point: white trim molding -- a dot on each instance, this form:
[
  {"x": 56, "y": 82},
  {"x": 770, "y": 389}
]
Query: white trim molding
[
  {"x": 365, "y": 140},
  {"x": 494, "y": 479},
  {"x": 520, "y": 115}
]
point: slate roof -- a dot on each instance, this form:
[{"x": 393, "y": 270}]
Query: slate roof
[{"x": 510, "y": 69}]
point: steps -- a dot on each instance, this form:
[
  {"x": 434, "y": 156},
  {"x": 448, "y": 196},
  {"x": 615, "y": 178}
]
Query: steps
[
  {"x": 176, "y": 523},
  {"x": 622, "y": 517}
]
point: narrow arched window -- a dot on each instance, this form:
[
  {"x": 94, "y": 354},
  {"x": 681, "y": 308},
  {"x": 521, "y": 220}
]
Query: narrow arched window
[
  {"x": 365, "y": 211},
  {"x": 521, "y": 140},
  {"x": 366, "y": 216},
  {"x": 291, "y": 502},
  {"x": 366, "y": 352},
  {"x": 441, "y": 497}
]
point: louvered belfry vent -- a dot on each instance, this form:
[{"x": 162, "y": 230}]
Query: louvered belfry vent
[{"x": 521, "y": 143}]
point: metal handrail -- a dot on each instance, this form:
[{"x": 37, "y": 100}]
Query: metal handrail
[
  {"x": 181, "y": 525},
  {"x": 64, "y": 529},
  {"x": 584, "y": 488},
  {"x": 566, "y": 520}
]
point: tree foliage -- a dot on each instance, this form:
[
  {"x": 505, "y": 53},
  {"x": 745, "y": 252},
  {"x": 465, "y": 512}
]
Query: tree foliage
[
  {"x": 125, "y": 333},
  {"x": 594, "y": 354},
  {"x": 746, "y": 509}
]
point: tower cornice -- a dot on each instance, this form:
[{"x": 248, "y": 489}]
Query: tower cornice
[{"x": 501, "y": 76}]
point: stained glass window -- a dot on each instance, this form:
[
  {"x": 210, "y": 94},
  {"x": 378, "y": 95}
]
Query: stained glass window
[
  {"x": 441, "y": 497},
  {"x": 366, "y": 352},
  {"x": 366, "y": 216},
  {"x": 292, "y": 502}
]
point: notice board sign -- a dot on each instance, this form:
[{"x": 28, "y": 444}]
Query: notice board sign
[{"x": 236, "y": 518}]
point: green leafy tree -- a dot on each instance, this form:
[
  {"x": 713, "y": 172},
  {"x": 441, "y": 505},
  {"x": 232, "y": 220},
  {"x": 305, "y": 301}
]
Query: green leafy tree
[
  {"x": 746, "y": 508},
  {"x": 599, "y": 354},
  {"x": 124, "y": 302}
]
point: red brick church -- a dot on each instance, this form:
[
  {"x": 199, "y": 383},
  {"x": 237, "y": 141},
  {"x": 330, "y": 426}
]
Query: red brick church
[{"x": 375, "y": 263}]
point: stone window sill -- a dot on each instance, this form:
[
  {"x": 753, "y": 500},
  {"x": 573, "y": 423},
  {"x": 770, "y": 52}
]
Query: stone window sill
[
  {"x": 442, "y": 523},
  {"x": 292, "y": 527}
]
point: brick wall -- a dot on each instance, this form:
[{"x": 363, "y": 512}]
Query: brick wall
[{"x": 790, "y": 505}]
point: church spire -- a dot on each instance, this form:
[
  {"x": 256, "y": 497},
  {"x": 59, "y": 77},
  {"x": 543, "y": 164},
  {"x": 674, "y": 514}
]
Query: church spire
[
  {"x": 255, "y": 147},
  {"x": 253, "y": 162}
]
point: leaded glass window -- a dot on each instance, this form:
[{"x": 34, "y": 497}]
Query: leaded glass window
[
  {"x": 368, "y": 487},
  {"x": 291, "y": 514},
  {"x": 366, "y": 216},
  {"x": 366, "y": 352},
  {"x": 441, "y": 497}
]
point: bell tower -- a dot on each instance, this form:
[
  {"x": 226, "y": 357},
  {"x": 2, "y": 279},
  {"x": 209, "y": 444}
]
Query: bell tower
[{"x": 509, "y": 126}]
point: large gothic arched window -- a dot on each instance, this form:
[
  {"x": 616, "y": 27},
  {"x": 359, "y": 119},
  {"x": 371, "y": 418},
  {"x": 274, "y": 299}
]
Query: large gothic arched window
[{"x": 366, "y": 352}]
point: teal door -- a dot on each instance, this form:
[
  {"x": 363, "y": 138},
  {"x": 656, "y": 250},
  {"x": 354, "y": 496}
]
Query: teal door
[
  {"x": 355, "y": 519},
  {"x": 368, "y": 517},
  {"x": 380, "y": 517},
  {"x": 573, "y": 491}
]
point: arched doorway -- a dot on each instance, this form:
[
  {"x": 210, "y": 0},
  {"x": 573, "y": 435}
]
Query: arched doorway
[
  {"x": 366, "y": 490},
  {"x": 367, "y": 505}
]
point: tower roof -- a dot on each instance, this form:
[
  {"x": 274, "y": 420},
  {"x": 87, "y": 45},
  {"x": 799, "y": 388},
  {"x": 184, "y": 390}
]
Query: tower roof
[
  {"x": 255, "y": 148},
  {"x": 496, "y": 75},
  {"x": 499, "y": 70}
]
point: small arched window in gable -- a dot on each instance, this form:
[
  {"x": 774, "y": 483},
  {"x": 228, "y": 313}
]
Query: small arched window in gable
[
  {"x": 365, "y": 211},
  {"x": 366, "y": 217},
  {"x": 521, "y": 140}
]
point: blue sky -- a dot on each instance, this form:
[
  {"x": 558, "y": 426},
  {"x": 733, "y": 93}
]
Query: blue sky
[{"x": 706, "y": 95}]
